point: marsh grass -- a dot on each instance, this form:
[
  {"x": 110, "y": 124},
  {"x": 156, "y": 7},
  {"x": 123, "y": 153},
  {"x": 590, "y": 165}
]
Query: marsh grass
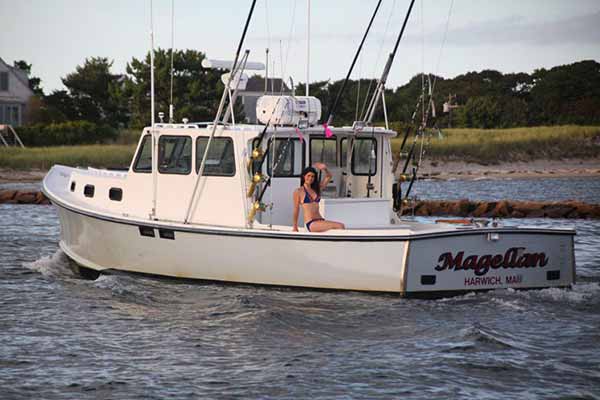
[
  {"x": 482, "y": 146},
  {"x": 492, "y": 146},
  {"x": 99, "y": 155}
]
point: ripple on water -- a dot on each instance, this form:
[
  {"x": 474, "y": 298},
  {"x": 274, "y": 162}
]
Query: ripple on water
[{"x": 66, "y": 337}]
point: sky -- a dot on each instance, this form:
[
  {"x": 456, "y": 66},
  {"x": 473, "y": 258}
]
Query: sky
[{"x": 510, "y": 35}]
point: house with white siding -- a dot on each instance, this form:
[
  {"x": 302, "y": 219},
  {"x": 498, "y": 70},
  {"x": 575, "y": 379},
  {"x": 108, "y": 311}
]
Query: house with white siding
[{"x": 14, "y": 94}]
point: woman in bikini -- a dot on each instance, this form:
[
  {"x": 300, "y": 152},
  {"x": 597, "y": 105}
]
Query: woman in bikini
[{"x": 309, "y": 195}]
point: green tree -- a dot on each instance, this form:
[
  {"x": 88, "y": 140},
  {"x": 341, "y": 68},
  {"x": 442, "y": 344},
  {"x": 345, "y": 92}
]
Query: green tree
[
  {"x": 96, "y": 93},
  {"x": 196, "y": 90},
  {"x": 567, "y": 94}
]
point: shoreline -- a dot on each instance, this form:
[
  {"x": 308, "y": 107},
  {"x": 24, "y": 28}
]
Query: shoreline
[
  {"x": 570, "y": 209},
  {"x": 567, "y": 168},
  {"x": 431, "y": 169}
]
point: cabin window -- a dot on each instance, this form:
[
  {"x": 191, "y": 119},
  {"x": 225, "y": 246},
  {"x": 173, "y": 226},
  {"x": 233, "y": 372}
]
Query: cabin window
[
  {"x": 115, "y": 194},
  {"x": 175, "y": 155},
  {"x": 88, "y": 190},
  {"x": 220, "y": 160},
  {"x": 143, "y": 160},
  {"x": 364, "y": 150},
  {"x": 73, "y": 184},
  {"x": 288, "y": 158},
  {"x": 323, "y": 150}
]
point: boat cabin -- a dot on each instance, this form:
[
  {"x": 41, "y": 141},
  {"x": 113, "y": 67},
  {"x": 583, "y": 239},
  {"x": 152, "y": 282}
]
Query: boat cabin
[
  {"x": 359, "y": 195},
  {"x": 248, "y": 168}
]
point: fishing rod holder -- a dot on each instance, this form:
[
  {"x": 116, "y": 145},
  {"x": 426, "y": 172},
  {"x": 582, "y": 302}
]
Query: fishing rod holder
[
  {"x": 257, "y": 178},
  {"x": 255, "y": 208},
  {"x": 256, "y": 156}
]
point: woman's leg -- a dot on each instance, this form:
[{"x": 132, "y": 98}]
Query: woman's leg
[{"x": 323, "y": 226}]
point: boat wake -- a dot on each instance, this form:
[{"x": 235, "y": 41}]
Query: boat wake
[
  {"x": 580, "y": 293},
  {"x": 56, "y": 265},
  {"x": 479, "y": 336}
]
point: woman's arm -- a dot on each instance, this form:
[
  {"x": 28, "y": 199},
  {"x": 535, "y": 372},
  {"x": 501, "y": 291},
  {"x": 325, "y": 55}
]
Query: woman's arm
[
  {"x": 296, "y": 209},
  {"x": 327, "y": 178}
]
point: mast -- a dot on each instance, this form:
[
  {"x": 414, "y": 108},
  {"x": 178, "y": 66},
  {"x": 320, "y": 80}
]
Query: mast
[{"x": 341, "y": 91}]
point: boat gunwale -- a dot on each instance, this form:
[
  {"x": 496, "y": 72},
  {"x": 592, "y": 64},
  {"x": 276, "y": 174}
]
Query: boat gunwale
[{"x": 284, "y": 235}]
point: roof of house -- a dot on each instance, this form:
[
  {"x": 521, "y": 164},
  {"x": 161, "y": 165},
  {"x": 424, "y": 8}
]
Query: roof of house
[
  {"x": 19, "y": 74},
  {"x": 256, "y": 83}
]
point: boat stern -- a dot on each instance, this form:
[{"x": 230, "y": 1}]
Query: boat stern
[{"x": 490, "y": 259}]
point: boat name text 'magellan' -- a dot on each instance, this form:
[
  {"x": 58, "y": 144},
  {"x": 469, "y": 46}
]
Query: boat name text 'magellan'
[{"x": 515, "y": 257}]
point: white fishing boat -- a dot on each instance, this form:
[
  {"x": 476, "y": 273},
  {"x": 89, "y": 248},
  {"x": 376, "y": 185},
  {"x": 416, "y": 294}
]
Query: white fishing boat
[{"x": 213, "y": 201}]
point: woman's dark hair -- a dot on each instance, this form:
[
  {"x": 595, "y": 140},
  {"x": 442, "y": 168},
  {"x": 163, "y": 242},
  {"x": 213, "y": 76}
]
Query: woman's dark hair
[{"x": 315, "y": 185}]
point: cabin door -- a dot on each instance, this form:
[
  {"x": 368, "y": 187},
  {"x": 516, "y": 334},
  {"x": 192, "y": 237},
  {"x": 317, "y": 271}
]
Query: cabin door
[
  {"x": 284, "y": 162},
  {"x": 365, "y": 166}
]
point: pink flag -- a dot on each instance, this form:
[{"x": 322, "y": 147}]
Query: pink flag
[
  {"x": 328, "y": 132},
  {"x": 300, "y": 135}
]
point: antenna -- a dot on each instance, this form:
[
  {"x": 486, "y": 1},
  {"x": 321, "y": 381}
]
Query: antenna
[
  {"x": 308, "y": 51},
  {"x": 171, "y": 120},
  {"x": 154, "y": 144},
  {"x": 266, "y": 70},
  {"x": 151, "y": 64}
]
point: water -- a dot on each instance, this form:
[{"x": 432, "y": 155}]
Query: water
[
  {"x": 585, "y": 189},
  {"x": 129, "y": 337}
]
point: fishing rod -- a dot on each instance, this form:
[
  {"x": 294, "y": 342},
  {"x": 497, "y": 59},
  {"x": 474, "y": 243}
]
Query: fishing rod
[
  {"x": 420, "y": 133},
  {"x": 386, "y": 70},
  {"x": 424, "y": 122},
  {"x": 218, "y": 115},
  {"x": 407, "y": 132},
  {"x": 341, "y": 91}
]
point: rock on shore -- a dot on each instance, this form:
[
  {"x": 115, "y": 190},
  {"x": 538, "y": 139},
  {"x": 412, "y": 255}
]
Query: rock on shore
[
  {"x": 460, "y": 208},
  {"x": 504, "y": 209},
  {"x": 23, "y": 197}
]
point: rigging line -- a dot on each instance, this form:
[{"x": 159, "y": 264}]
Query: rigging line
[
  {"x": 437, "y": 67},
  {"x": 358, "y": 89},
  {"x": 387, "y": 68},
  {"x": 379, "y": 52},
  {"x": 341, "y": 91}
]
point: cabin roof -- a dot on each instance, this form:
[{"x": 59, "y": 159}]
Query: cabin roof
[{"x": 314, "y": 130}]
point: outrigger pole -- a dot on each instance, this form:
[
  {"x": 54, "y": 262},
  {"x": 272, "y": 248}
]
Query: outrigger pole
[
  {"x": 341, "y": 91},
  {"x": 386, "y": 70},
  {"x": 219, "y": 112}
]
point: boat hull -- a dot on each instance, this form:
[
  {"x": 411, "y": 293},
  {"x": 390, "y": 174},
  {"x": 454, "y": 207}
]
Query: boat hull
[
  {"x": 225, "y": 256},
  {"x": 449, "y": 262}
]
